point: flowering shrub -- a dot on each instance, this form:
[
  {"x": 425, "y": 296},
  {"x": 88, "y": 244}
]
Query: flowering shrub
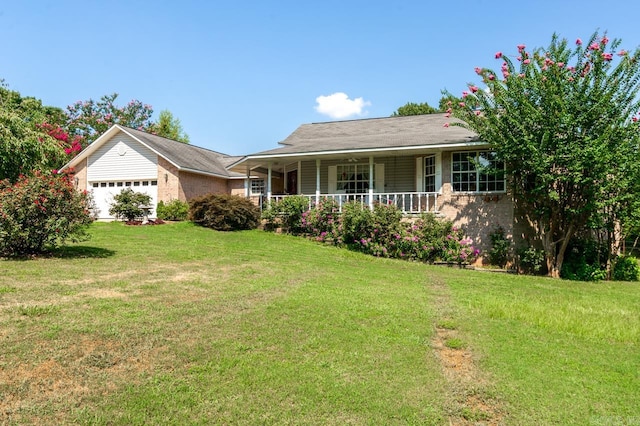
[
  {"x": 173, "y": 210},
  {"x": 382, "y": 233},
  {"x": 323, "y": 221},
  {"x": 41, "y": 212}
]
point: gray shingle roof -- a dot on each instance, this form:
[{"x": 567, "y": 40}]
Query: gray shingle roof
[
  {"x": 389, "y": 132},
  {"x": 187, "y": 156}
]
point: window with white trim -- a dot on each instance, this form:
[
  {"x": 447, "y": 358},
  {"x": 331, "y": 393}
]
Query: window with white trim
[
  {"x": 353, "y": 178},
  {"x": 257, "y": 186},
  {"x": 477, "y": 171},
  {"x": 430, "y": 173}
]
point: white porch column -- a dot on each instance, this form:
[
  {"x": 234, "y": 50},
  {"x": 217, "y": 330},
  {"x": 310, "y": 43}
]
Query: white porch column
[
  {"x": 317, "y": 181},
  {"x": 371, "y": 183},
  {"x": 269, "y": 184},
  {"x": 299, "y": 178},
  {"x": 247, "y": 183}
]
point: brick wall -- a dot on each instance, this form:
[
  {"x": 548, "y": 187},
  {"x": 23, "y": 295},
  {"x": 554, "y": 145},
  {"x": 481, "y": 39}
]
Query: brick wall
[
  {"x": 193, "y": 185},
  {"x": 81, "y": 175}
]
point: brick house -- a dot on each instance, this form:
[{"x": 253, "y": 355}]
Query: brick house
[{"x": 419, "y": 163}]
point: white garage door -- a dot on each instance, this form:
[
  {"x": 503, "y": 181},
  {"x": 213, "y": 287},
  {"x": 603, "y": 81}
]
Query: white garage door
[{"x": 103, "y": 193}]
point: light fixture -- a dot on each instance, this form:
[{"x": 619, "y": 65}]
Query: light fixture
[{"x": 166, "y": 177}]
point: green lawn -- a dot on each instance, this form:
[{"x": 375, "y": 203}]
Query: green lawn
[{"x": 176, "y": 324}]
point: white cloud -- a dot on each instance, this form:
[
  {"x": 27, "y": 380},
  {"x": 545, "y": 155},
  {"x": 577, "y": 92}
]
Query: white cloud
[{"x": 338, "y": 105}]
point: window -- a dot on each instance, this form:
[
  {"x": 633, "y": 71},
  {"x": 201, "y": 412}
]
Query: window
[
  {"x": 430, "y": 173},
  {"x": 95, "y": 184},
  {"x": 353, "y": 178},
  {"x": 136, "y": 183},
  {"x": 112, "y": 184},
  {"x": 145, "y": 183},
  {"x": 154, "y": 183},
  {"x": 119, "y": 183},
  {"x": 257, "y": 186},
  {"x": 127, "y": 184},
  {"x": 474, "y": 171}
]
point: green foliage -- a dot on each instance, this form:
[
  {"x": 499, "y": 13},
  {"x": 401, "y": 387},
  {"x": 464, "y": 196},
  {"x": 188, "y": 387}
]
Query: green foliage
[
  {"x": 323, "y": 221},
  {"x": 531, "y": 260},
  {"x": 564, "y": 121},
  {"x": 173, "y": 210},
  {"x": 499, "y": 253},
  {"x": 224, "y": 212},
  {"x": 585, "y": 260},
  {"x": 286, "y": 214},
  {"x": 356, "y": 223},
  {"x": 24, "y": 147},
  {"x": 40, "y": 212},
  {"x": 126, "y": 204},
  {"x": 626, "y": 268},
  {"x": 169, "y": 127},
  {"x": 90, "y": 119},
  {"x": 411, "y": 108}
]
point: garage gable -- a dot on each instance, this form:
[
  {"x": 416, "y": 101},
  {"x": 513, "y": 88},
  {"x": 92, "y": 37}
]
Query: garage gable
[{"x": 122, "y": 157}]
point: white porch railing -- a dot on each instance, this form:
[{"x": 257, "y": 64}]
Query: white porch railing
[{"x": 407, "y": 202}]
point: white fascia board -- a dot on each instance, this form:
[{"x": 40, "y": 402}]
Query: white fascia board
[{"x": 366, "y": 151}]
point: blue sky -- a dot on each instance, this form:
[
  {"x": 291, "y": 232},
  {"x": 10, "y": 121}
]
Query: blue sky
[{"x": 242, "y": 75}]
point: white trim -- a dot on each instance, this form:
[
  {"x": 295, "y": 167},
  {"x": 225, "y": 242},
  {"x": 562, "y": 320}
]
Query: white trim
[{"x": 371, "y": 150}]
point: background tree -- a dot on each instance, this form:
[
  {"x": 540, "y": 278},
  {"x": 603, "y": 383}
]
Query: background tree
[
  {"x": 89, "y": 119},
  {"x": 564, "y": 121},
  {"x": 24, "y": 145},
  {"x": 411, "y": 108},
  {"x": 169, "y": 127}
]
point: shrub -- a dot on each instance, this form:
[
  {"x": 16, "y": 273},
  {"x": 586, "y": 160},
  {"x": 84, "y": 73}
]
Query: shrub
[
  {"x": 287, "y": 214},
  {"x": 626, "y": 268},
  {"x": 584, "y": 261},
  {"x": 224, "y": 212},
  {"x": 531, "y": 260},
  {"x": 322, "y": 222},
  {"x": 499, "y": 253},
  {"x": 356, "y": 223},
  {"x": 126, "y": 204},
  {"x": 41, "y": 212},
  {"x": 173, "y": 210}
]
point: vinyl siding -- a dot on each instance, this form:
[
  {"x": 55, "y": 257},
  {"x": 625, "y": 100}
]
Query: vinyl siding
[
  {"x": 138, "y": 162},
  {"x": 399, "y": 174}
]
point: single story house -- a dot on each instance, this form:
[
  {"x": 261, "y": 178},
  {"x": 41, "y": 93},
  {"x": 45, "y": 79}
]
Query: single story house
[
  {"x": 419, "y": 163},
  {"x": 165, "y": 169}
]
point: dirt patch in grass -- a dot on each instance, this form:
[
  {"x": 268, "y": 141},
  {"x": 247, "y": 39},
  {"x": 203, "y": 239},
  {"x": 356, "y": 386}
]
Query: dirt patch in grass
[{"x": 469, "y": 400}]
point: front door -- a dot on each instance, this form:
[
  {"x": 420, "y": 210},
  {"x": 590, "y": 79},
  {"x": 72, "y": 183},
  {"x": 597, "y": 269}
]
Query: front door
[{"x": 292, "y": 182}]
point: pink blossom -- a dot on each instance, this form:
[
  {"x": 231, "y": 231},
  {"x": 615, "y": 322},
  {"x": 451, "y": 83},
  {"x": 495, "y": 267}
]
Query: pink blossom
[
  {"x": 604, "y": 40},
  {"x": 465, "y": 94},
  {"x": 473, "y": 89},
  {"x": 560, "y": 64},
  {"x": 478, "y": 70},
  {"x": 635, "y": 119},
  {"x": 498, "y": 55},
  {"x": 449, "y": 110},
  {"x": 594, "y": 46},
  {"x": 447, "y": 115},
  {"x": 462, "y": 104},
  {"x": 521, "y": 47},
  {"x": 477, "y": 112},
  {"x": 622, "y": 52},
  {"x": 521, "y": 75},
  {"x": 579, "y": 42},
  {"x": 519, "y": 58},
  {"x": 607, "y": 56},
  {"x": 492, "y": 77},
  {"x": 445, "y": 125},
  {"x": 527, "y": 61}
]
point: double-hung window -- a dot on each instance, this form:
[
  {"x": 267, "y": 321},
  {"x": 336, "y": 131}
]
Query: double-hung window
[
  {"x": 430, "y": 173},
  {"x": 257, "y": 186},
  {"x": 353, "y": 178},
  {"x": 477, "y": 171}
]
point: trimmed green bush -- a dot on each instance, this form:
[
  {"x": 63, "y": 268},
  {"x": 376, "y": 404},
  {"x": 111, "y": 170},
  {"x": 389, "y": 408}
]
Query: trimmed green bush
[
  {"x": 531, "y": 260},
  {"x": 286, "y": 214},
  {"x": 41, "y": 212},
  {"x": 224, "y": 212},
  {"x": 126, "y": 204},
  {"x": 499, "y": 253},
  {"x": 173, "y": 210},
  {"x": 626, "y": 268}
]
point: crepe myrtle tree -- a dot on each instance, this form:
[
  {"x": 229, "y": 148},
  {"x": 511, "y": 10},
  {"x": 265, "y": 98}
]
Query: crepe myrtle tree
[{"x": 564, "y": 120}]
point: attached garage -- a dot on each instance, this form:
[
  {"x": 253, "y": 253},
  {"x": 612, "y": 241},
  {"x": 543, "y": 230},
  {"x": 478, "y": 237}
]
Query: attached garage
[{"x": 162, "y": 168}]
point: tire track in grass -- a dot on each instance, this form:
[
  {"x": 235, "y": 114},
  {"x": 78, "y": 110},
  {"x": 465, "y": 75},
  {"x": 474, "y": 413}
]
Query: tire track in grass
[{"x": 469, "y": 401}]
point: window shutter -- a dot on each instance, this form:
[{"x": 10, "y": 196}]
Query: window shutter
[
  {"x": 332, "y": 179},
  {"x": 438, "y": 172},
  {"x": 419, "y": 175},
  {"x": 379, "y": 177}
]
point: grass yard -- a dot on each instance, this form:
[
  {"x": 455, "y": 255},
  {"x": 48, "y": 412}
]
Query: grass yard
[{"x": 177, "y": 324}]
